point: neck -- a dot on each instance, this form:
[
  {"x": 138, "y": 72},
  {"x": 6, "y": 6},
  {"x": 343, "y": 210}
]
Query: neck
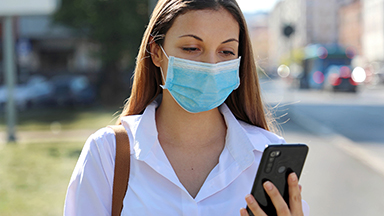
[{"x": 179, "y": 127}]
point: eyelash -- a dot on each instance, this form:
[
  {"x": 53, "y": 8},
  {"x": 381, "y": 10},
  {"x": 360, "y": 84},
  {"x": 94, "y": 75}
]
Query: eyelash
[
  {"x": 194, "y": 49},
  {"x": 190, "y": 49},
  {"x": 225, "y": 52}
]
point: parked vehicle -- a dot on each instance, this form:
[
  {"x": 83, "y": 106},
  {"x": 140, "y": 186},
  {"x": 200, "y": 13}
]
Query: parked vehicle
[
  {"x": 318, "y": 58},
  {"x": 61, "y": 90},
  {"x": 28, "y": 94},
  {"x": 339, "y": 78},
  {"x": 69, "y": 90}
]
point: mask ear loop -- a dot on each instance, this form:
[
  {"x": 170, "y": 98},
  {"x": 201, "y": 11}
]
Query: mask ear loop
[
  {"x": 161, "y": 70},
  {"x": 162, "y": 74},
  {"x": 164, "y": 51}
]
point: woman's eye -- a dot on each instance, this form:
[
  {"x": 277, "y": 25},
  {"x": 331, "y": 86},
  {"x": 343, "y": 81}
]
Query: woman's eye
[
  {"x": 229, "y": 53},
  {"x": 190, "y": 49}
]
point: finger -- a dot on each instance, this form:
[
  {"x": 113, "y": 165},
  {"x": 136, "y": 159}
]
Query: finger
[
  {"x": 294, "y": 194},
  {"x": 243, "y": 212},
  {"x": 277, "y": 200},
  {"x": 301, "y": 188},
  {"x": 254, "y": 206}
]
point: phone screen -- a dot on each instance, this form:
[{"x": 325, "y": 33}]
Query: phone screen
[{"x": 277, "y": 162}]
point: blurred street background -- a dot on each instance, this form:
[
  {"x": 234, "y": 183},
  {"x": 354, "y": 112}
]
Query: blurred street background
[{"x": 321, "y": 67}]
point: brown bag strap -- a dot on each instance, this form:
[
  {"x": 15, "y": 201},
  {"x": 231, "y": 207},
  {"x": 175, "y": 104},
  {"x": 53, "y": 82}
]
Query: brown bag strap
[{"x": 122, "y": 167}]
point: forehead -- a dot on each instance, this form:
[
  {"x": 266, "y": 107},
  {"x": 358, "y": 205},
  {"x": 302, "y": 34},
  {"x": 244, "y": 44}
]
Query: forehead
[{"x": 205, "y": 23}]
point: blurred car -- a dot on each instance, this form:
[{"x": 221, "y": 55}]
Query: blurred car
[
  {"x": 339, "y": 78},
  {"x": 28, "y": 94},
  {"x": 318, "y": 58},
  {"x": 70, "y": 90}
]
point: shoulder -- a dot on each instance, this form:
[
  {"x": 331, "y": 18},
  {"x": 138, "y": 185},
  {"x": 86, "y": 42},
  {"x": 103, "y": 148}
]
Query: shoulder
[
  {"x": 257, "y": 133},
  {"x": 90, "y": 188},
  {"x": 102, "y": 136},
  {"x": 100, "y": 144}
]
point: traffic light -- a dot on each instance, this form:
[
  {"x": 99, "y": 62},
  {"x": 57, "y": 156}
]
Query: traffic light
[{"x": 288, "y": 30}]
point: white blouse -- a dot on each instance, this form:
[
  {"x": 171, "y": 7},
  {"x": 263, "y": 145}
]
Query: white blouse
[{"x": 154, "y": 188}]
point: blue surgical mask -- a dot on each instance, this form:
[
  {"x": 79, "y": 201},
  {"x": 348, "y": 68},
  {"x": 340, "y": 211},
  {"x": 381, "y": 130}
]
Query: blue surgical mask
[{"x": 198, "y": 86}]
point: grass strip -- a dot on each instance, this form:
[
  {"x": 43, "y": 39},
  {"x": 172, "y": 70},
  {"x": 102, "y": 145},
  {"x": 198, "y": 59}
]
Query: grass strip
[{"x": 34, "y": 177}]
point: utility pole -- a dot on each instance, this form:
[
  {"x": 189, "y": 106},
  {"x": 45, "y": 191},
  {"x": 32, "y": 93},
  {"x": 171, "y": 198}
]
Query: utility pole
[
  {"x": 8, "y": 10},
  {"x": 10, "y": 75},
  {"x": 288, "y": 30}
]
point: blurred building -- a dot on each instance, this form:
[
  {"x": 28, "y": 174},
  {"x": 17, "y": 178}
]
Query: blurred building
[
  {"x": 351, "y": 26},
  {"x": 314, "y": 21},
  {"x": 54, "y": 48},
  {"x": 373, "y": 33},
  {"x": 289, "y": 12},
  {"x": 45, "y": 48},
  {"x": 259, "y": 33}
]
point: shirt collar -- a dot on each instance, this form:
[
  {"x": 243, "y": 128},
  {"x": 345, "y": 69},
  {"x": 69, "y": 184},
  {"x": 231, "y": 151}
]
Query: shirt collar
[
  {"x": 239, "y": 141},
  {"x": 144, "y": 131}
]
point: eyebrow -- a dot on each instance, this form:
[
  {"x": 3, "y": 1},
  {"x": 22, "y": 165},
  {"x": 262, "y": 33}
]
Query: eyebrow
[
  {"x": 191, "y": 35},
  {"x": 230, "y": 40},
  {"x": 198, "y": 38}
]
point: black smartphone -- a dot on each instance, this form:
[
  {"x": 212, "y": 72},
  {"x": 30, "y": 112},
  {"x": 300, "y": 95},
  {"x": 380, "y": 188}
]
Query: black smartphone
[{"x": 277, "y": 162}]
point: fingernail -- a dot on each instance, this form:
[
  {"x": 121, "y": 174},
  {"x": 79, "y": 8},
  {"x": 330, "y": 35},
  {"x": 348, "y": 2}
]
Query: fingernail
[
  {"x": 242, "y": 211},
  {"x": 293, "y": 177},
  {"x": 268, "y": 185},
  {"x": 249, "y": 199}
]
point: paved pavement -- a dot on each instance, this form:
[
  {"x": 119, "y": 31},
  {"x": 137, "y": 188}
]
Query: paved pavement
[
  {"x": 49, "y": 136},
  {"x": 343, "y": 175},
  {"x": 334, "y": 182},
  {"x": 355, "y": 120}
]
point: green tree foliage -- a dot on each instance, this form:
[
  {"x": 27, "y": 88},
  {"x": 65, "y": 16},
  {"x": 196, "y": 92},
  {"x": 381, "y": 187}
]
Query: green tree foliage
[{"x": 117, "y": 26}]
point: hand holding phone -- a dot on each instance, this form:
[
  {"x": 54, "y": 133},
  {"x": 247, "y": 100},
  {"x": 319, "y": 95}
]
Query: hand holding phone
[{"x": 277, "y": 162}]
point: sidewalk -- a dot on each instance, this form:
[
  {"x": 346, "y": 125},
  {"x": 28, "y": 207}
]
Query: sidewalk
[
  {"x": 279, "y": 92},
  {"x": 49, "y": 136},
  {"x": 340, "y": 177},
  {"x": 367, "y": 154},
  {"x": 334, "y": 183}
]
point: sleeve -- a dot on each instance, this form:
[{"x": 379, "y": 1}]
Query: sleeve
[{"x": 90, "y": 188}]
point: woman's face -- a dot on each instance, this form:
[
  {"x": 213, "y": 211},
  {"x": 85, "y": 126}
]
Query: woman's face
[{"x": 204, "y": 35}]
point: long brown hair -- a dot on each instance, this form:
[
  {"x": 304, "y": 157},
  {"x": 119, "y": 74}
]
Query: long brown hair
[{"x": 245, "y": 102}]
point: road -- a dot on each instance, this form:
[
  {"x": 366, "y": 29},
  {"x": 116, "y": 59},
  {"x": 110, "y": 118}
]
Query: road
[{"x": 344, "y": 171}]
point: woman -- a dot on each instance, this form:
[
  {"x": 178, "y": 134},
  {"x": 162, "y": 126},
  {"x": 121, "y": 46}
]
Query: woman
[{"x": 191, "y": 154}]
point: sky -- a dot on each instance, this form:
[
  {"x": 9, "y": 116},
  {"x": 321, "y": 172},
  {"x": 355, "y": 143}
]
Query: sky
[{"x": 250, "y": 6}]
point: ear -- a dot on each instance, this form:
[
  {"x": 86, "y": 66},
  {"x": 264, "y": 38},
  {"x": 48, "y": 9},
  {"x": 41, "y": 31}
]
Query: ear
[{"x": 156, "y": 53}]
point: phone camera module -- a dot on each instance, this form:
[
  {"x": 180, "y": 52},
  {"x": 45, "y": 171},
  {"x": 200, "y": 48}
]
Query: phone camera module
[
  {"x": 275, "y": 154},
  {"x": 271, "y": 160},
  {"x": 268, "y": 167}
]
